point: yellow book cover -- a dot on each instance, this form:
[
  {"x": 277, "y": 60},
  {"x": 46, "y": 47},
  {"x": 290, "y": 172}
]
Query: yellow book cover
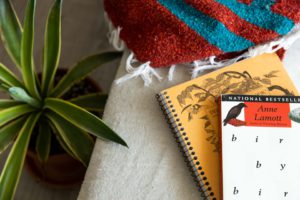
[{"x": 191, "y": 109}]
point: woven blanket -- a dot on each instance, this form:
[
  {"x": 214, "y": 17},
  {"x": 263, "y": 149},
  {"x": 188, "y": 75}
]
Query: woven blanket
[
  {"x": 167, "y": 32},
  {"x": 152, "y": 168}
]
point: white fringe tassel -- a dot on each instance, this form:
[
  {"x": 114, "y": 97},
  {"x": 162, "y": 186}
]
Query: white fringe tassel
[
  {"x": 171, "y": 72},
  {"x": 114, "y": 35},
  {"x": 210, "y": 63},
  {"x": 145, "y": 71}
]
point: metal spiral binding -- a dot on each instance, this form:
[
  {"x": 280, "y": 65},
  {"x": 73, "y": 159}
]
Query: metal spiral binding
[{"x": 185, "y": 146}]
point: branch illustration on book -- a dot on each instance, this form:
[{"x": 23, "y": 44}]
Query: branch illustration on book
[
  {"x": 278, "y": 87},
  {"x": 198, "y": 101},
  {"x": 212, "y": 136}
]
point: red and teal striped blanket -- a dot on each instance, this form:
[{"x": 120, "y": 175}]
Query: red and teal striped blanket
[{"x": 167, "y": 32}]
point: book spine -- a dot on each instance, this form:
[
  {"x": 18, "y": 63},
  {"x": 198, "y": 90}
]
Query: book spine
[{"x": 174, "y": 123}]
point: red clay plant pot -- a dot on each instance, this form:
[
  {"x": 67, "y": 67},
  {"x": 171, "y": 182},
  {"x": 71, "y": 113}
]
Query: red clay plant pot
[{"x": 61, "y": 170}]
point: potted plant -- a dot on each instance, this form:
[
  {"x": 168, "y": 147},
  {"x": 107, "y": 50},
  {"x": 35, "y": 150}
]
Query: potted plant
[{"x": 48, "y": 113}]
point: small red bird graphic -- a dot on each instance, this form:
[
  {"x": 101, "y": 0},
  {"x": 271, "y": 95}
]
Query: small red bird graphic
[{"x": 234, "y": 112}]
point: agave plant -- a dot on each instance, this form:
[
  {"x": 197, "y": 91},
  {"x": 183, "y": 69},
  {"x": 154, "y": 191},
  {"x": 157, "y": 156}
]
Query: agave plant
[{"x": 37, "y": 103}]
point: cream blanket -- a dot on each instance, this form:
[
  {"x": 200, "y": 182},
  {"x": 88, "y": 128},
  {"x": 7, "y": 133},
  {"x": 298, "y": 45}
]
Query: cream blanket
[{"x": 152, "y": 167}]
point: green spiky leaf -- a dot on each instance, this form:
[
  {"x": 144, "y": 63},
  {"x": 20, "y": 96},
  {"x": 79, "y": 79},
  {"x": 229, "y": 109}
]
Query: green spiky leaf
[
  {"x": 6, "y": 103},
  {"x": 52, "y": 47},
  {"x": 65, "y": 120},
  {"x": 83, "y": 119},
  {"x": 43, "y": 141},
  {"x": 13, "y": 166},
  {"x": 80, "y": 144},
  {"x": 27, "y": 50},
  {"x": 92, "y": 102},
  {"x": 60, "y": 140},
  {"x": 8, "y": 78},
  {"x": 10, "y": 30},
  {"x": 9, "y": 132},
  {"x": 14, "y": 112},
  {"x": 81, "y": 70}
]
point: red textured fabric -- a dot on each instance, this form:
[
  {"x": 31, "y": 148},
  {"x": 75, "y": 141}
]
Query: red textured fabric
[
  {"x": 281, "y": 53},
  {"x": 289, "y": 8},
  {"x": 154, "y": 34},
  {"x": 233, "y": 22}
]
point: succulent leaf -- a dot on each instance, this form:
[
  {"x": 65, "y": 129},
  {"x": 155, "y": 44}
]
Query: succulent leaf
[
  {"x": 5, "y": 103},
  {"x": 91, "y": 102},
  {"x": 80, "y": 143},
  {"x": 63, "y": 144},
  {"x": 4, "y": 87},
  {"x": 9, "y": 132},
  {"x": 8, "y": 78},
  {"x": 59, "y": 139},
  {"x": 27, "y": 63},
  {"x": 69, "y": 123},
  {"x": 13, "y": 166},
  {"x": 81, "y": 70},
  {"x": 83, "y": 119},
  {"x": 14, "y": 112},
  {"x": 43, "y": 141},
  {"x": 52, "y": 47},
  {"x": 10, "y": 30}
]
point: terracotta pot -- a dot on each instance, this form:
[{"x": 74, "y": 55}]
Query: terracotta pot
[{"x": 61, "y": 170}]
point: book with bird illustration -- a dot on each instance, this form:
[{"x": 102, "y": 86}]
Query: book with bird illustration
[
  {"x": 260, "y": 138},
  {"x": 192, "y": 111}
]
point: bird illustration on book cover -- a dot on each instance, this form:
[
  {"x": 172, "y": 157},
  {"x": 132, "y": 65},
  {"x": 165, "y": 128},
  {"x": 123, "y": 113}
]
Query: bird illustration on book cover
[
  {"x": 232, "y": 115},
  {"x": 295, "y": 115}
]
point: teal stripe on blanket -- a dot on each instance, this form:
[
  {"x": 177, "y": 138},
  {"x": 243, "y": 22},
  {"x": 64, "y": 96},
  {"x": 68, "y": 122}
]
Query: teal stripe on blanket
[
  {"x": 259, "y": 13},
  {"x": 210, "y": 29}
]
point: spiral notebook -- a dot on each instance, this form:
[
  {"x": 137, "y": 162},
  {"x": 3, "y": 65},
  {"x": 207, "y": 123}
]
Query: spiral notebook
[
  {"x": 192, "y": 112},
  {"x": 260, "y": 143}
]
